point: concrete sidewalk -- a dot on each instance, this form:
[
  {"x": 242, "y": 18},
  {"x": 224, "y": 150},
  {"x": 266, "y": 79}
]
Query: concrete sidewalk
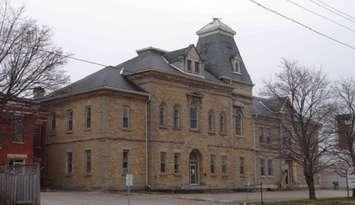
[
  {"x": 230, "y": 198},
  {"x": 104, "y": 198}
]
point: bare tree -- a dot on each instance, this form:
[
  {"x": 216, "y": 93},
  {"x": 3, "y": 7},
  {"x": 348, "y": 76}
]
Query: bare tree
[
  {"x": 344, "y": 92},
  {"x": 27, "y": 57},
  {"x": 306, "y": 113}
]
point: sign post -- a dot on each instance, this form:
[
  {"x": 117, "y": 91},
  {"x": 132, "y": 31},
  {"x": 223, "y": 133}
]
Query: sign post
[{"x": 129, "y": 183}]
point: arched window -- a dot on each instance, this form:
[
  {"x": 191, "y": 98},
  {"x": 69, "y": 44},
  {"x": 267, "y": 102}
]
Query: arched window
[
  {"x": 238, "y": 120},
  {"x": 211, "y": 126},
  {"x": 162, "y": 109},
  {"x": 177, "y": 117},
  {"x": 222, "y": 123},
  {"x": 236, "y": 65},
  {"x": 193, "y": 117}
]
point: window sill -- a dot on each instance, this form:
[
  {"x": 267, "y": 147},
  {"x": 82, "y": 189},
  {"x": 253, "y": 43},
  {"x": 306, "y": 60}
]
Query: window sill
[
  {"x": 224, "y": 175},
  {"x": 68, "y": 175},
  {"x": 69, "y": 132},
  {"x": 194, "y": 130},
  {"x": 163, "y": 174},
  {"x": 177, "y": 174},
  {"x": 239, "y": 136},
  {"x": 177, "y": 128},
  {"x": 87, "y": 129},
  {"x": 126, "y": 129},
  {"x": 15, "y": 142},
  {"x": 163, "y": 127},
  {"x": 242, "y": 176},
  {"x": 213, "y": 175},
  {"x": 239, "y": 73},
  {"x": 211, "y": 132},
  {"x": 223, "y": 134},
  {"x": 88, "y": 175}
]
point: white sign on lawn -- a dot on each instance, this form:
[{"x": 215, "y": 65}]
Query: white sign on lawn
[
  {"x": 129, "y": 180},
  {"x": 351, "y": 177}
]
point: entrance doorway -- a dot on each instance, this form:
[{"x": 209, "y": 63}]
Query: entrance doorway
[{"x": 194, "y": 166}]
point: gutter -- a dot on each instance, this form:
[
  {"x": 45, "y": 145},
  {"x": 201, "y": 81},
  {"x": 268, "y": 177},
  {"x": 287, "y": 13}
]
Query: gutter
[
  {"x": 254, "y": 146},
  {"x": 93, "y": 90}
]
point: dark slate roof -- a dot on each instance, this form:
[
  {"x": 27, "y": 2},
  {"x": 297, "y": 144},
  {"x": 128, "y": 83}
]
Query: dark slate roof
[
  {"x": 217, "y": 50},
  {"x": 108, "y": 77},
  {"x": 173, "y": 56},
  {"x": 151, "y": 60},
  {"x": 267, "y": 106}
]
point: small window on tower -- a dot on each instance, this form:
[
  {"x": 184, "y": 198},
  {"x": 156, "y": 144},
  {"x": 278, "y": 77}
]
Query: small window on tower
[{"x": 236, "y": 64}]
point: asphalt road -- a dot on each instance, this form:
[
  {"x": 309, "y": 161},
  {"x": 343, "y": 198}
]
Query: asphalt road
[{"x": 100, "y": 198}]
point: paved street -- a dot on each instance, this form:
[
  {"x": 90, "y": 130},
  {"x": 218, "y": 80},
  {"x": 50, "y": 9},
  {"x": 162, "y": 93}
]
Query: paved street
[{"x": 96, "y": 198}]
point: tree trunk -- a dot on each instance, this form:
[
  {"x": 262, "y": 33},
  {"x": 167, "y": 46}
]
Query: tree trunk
[{"x": 311, "y": 187}]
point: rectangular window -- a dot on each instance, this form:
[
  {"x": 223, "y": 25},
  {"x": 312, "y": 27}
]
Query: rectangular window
[
  {"x": 125, "y": 164},
  {"x": 177, "y": 163},
  {"x": 193, "y": 117},
  {"x": 197, "y": 67},
  {"x": 88, "y": 116},
  {"x": 213, "y": 164},
  {"x": 224, "y": 165},
  {"x": 53, "y": 120},
  {"x": 261, "y": 135},
  {"x": 241, "y": 166},
  {"x": 222, "y": 123},
  {"x": 70, "y": 115},
  {"x": 269, "y": 167},
  {"x": 88, "y": 161},
  {"x": 262, "y": 167},
  {"x": 176, "y": 118},
  {"x": 162, "y": 162},
  {"x": 18, "y": 134},
  {"x": 125, "y": 117},
  {"x": 69, "y": 164},
  {"x": 189, "y": 64},
  {"x": 268, "y": 135}
]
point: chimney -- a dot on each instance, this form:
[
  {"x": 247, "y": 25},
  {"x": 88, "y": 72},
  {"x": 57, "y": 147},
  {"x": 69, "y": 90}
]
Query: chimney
[{"x": 38, "y": 92}]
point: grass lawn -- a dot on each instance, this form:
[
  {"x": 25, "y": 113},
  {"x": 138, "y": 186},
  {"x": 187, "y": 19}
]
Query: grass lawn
[{"x": 342, "y": 201}]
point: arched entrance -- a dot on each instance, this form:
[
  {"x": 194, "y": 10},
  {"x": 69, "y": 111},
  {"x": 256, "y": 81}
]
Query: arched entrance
[{"x": 194, "y": 167}]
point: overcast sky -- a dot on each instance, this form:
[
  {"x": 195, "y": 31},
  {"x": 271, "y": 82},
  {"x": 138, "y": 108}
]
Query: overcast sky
[{"x": 110, "y": 31}]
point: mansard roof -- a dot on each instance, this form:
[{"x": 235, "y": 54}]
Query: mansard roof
[
  {"x": 218, "y": 49},
  {"x": 152, "y": 60},
  {"x": 108, "y": 77},
  {"x": 267, "y": 106}
]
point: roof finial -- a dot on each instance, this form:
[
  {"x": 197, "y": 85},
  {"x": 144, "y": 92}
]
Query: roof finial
[{"x": 216, "y": 19}]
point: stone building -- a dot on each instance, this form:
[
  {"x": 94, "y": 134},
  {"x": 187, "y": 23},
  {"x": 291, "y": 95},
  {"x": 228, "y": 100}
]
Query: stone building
[{"x": 183, "y": 119}]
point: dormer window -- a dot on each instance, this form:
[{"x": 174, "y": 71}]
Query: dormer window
[
  {"x": 189, "y": 65},
  {"x": 197, "y": 67},
  {"x": 236, "y": 65}
]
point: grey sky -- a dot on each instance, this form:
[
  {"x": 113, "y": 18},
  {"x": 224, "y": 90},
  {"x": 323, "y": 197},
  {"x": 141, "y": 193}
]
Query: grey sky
[{"x": 110, "y": 31}]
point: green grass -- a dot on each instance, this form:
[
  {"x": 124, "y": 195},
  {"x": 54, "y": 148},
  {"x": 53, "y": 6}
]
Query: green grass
[{"x": 342, "y": 201}]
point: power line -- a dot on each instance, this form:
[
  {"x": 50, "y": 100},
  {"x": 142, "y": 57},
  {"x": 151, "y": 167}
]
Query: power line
[
  {"x": 321, "y": 16},
  {"x": 332, "y": 10},
  {"x": 303, "y": 25},
  {"x": 77, "y": 59},
  {"x": 335, "y": 9},
  {"x": 70, "y": 57}
]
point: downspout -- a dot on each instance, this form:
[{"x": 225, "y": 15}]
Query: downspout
[
  {"x": 147, "y": 185},
  {"x": 254, "y": 146}
]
